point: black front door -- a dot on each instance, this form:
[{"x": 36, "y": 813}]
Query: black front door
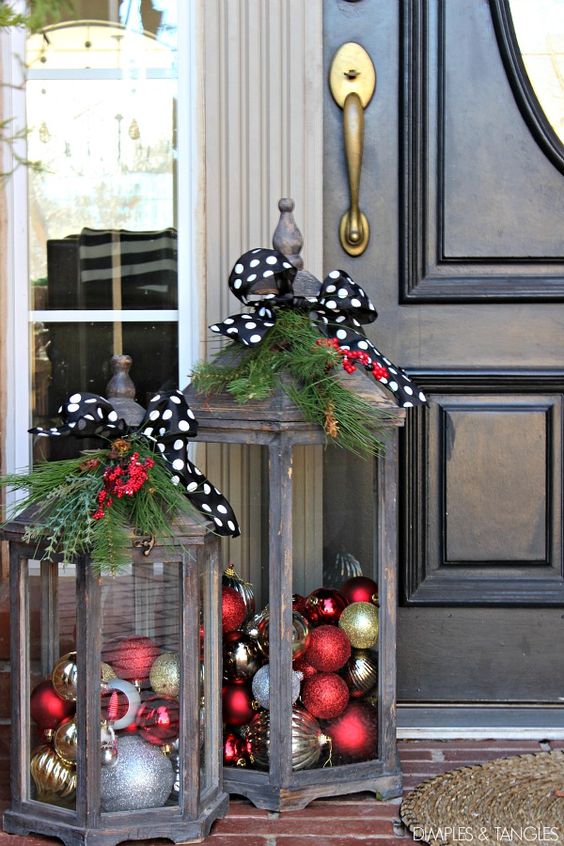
[{"x": 463, "y": 186}]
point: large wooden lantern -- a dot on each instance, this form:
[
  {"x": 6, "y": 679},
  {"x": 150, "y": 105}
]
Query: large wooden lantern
[
  {"x": 309, "y": 675},
  {"x": 116, "y": 691}
]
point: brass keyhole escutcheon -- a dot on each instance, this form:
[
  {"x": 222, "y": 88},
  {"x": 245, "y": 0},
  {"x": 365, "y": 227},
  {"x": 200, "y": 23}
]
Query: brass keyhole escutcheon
[{"x": 352, "y": 80}]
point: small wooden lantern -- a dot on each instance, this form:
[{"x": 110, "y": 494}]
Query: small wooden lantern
[
  {"x": 115, "y": 726},
  {"x": 292, "y": 750}
]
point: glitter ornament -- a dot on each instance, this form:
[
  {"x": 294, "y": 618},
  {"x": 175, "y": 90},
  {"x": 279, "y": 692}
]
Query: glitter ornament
[
  {"x": 234, "y": 750},
  {"x": 132, "y": 658},
  {"x": 46, "y": 707},
  {"x": 300, "y": 634},
  {"x": 233, "y": 610},
  {"x": 241, "y": 657},
  {"x": 261, "y": 686},
  {"x": 302, "y": 665},
  {"x": 329, "y": 649},
  {"x": 326, "y": 695},
  {"x": 106, "y": 672},
  {"x": 237, "y": 704},
  {"x": 355, "y": 733},
  {"x": 158, "y": 720},
  {"x": 360, "y": 622},
  {"x": 307, "y": 739},
  {"x": 325, "y": 606},
  {"x": 164, "y": 676},
  {"x": 360, "y": 589},
  {"x": 53, "y": 778},
  {"x": 142, "y": 777},
  {"x": 232, "y": 579},
  {"x": 64, "y": 676},
  {"x": 361, "y": 672}
]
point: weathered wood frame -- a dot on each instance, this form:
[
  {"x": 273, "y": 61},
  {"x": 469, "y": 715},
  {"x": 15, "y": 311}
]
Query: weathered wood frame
[
  {"x": 196, "y": 552},
  {"x": 279, "y": 426}
]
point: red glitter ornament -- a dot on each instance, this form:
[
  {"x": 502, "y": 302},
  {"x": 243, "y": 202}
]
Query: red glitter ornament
[
  {"x": 325, "y": 695},
  {"x": 233, "y": 610},
  {"x": 355, "y": 733},
  {"x": 302, "y": 665},
  {"x": 131, "y": 658},
  {"x": 237, "y": 704},
  {"x": 47, "y": 708},
  {"x": 329, "y": 649},
  {"x": 360, "y": 589},
  {"x": 234, "y": 750},
  {"x": 325, "y": 606},
  {"x": 158, "y": 720}
]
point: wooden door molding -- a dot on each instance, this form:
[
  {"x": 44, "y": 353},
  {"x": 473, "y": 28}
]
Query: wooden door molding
[
  {"x": 450, "y": 246},
  {"x": 484, "y": 435}
]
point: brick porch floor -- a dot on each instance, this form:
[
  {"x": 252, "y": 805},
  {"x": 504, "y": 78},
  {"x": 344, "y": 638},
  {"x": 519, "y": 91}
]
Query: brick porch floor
[{"x": 359, "y": 820}]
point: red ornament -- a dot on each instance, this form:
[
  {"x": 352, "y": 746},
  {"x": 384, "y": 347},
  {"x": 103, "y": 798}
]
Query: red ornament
[
  {"x": 233, "y": 610},
  {"x": 158, "y": 720},
  {"x": 234, "y": 750},
  {"x": 360, "y": 589},
  {"x": 329, "y": 649},
  {"x": 325, "y": 695},
  {"x": 47, "y": 708},
  {"x": 131, "y": 658},
  {"x": 299, "y": 604},
  {"x": 237, "y": 704},
  {"x": 302, "y": 665},
  {"x": 355, "y": 733},
  {"x": 325, "y": 606}
]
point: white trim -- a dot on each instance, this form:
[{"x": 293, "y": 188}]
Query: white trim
[
  {"x": 105, "y": 315},
  {"x": 481, "y": 733},
  {"x": 17, "y": 373},
  {"x": 94, "y": 73}
]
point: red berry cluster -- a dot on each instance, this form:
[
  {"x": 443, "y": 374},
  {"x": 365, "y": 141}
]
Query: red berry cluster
[
  {"x": 122, "y": 481},
  {"x": 350, "y": 356}
]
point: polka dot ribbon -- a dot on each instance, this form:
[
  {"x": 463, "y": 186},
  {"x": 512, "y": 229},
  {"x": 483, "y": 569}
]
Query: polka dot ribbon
[
  {"x": 168, "y": 424},
  {"x": 263, "y": 279}
]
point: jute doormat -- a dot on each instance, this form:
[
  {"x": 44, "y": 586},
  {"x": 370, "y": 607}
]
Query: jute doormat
[{"x": 516, "y": 801}]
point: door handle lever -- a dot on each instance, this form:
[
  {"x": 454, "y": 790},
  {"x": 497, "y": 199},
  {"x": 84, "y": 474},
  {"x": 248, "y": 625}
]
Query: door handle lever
[{"x": 352, "y": 80}]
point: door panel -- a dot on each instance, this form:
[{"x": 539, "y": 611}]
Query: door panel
[{"x": 466, "y": 267}]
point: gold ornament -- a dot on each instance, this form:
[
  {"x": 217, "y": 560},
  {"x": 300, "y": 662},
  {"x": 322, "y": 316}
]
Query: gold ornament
[
  {"x": 53, "y": 778},
  {"x": 307, "y": 739},
  {"x": 64, "y": 676},
  {"x": 300, "y": 634},
  {"x": 134, "y": 132},
  {"x": 361, "y": 672},
  {"x": 106, "y": 672},
  {"x": 165, "y": 674},
  {"x": 65, "y": 741},
  {"x": 359, "y": 621}
]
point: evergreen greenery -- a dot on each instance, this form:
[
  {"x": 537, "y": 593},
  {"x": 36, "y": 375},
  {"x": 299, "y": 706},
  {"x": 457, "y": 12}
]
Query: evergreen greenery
[
  {"x": 294, "y": 346},
  {"x": 65, "y": 496}
]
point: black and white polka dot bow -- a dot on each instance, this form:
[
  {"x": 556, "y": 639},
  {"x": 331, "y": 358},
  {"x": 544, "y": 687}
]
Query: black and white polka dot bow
[
  {"x": 263, "y": 279},
  {"x": 169, "y": 422}
]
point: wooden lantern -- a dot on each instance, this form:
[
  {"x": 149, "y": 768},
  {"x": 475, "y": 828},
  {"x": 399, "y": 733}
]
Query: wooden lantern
[{"x": 115, "y": 723}]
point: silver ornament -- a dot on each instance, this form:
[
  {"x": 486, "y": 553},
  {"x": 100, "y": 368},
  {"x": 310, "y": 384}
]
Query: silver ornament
[
  {"x": 108, "y": 745},
  {"x": 261, "y": 686},
  {"x": 171, "y": 750},
  {"x": 142, "y": 777},
  {"x": 345, "y": 567}
]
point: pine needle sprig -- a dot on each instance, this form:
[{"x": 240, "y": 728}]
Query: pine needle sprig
[{"x": 292, "y": 346}]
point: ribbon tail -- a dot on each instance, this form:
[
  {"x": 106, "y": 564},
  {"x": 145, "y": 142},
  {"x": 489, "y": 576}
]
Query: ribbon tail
[
  {"x": 248, "y": 329},
  {"x": 85, "y": 415},
  {"x": 210, "y": 501}
]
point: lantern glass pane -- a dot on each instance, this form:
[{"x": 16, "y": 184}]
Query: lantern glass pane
[
  {"x": 51, "y": 665},
  {"x": 141, "y": 639},
  {"x": 206, "y": 664}
]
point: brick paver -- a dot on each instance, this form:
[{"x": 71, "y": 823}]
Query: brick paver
[{"x": 349, "y": 821}]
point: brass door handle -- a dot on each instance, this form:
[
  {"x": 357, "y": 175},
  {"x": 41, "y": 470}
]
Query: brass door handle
[{"x": 352, "y": 79}]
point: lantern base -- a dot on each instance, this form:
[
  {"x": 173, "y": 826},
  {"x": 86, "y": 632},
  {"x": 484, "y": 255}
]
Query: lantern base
[
  {"x": 255, "y": 786},
  {"x": 119, "y": 827}
]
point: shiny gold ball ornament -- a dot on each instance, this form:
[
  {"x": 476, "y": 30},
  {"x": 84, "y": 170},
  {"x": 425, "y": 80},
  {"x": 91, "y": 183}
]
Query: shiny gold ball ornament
[
  {"x": 52, "y": 777},
  {"x": 65, "y": 741},
  {"x": 359, "y": 621},
  {"x": 232, "y": 579},
  {"x": 361, "y": 672},
  {"x": 165, "y": 674},
  {"x": 64, "y": 676},
  {"x": 307, "y": 740}
]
